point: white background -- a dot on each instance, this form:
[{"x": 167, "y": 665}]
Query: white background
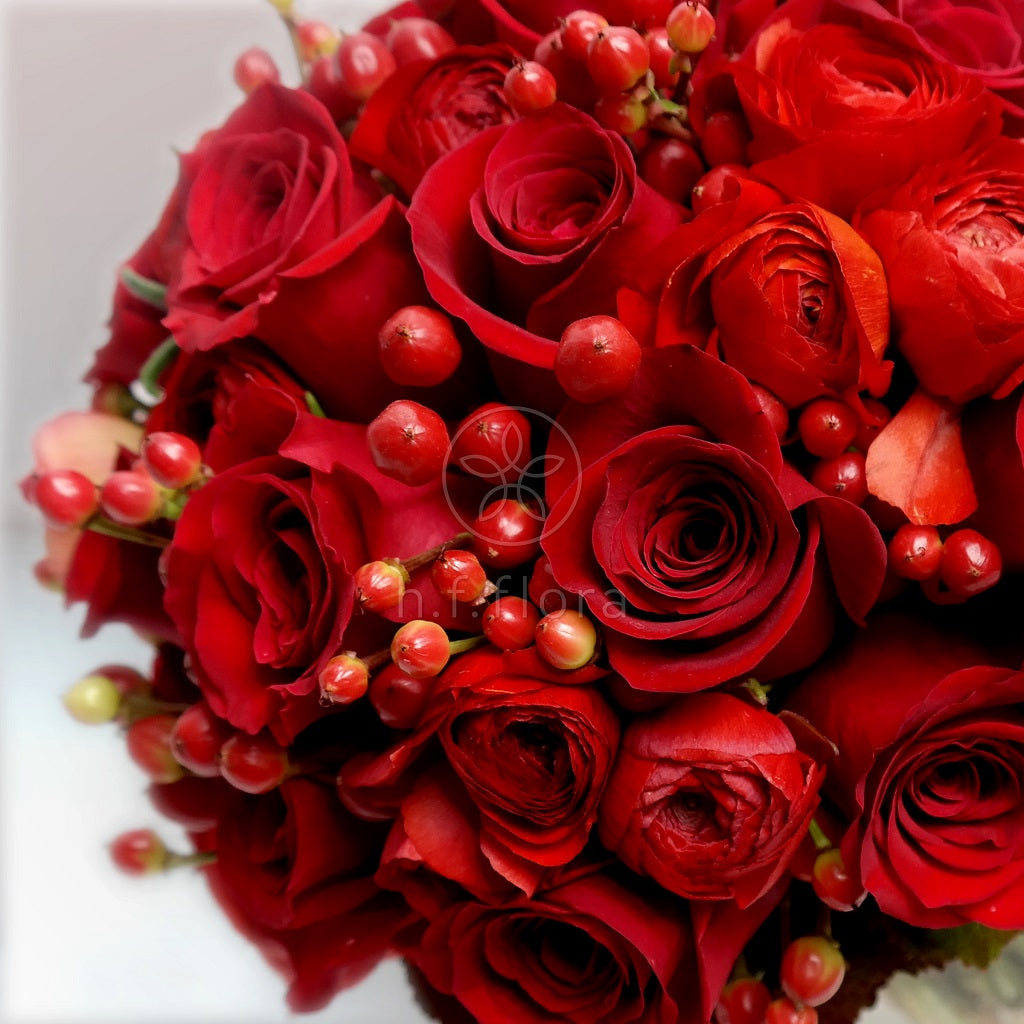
[{"x": 94, "y": 98}]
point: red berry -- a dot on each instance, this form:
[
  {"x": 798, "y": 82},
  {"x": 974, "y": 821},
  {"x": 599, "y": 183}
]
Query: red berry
[
  {"x": 719, "y": 185},
  {"x": 493, "y": 443},
  {"x": 327, "y": 85},
  {"x": 579, "y": 29},
  {"x": 641, "y": 13},
  {"x": 172, "y": 460},
  {"x": 662, "y": 57},
  {"x": 344, "y": 679},
  {"x": 970, "y": 563},
  {"x": 529, "y": 87},
  {"x": 833, "y": 883},
  {"x": 743, "y": 1001},
  {"x": 93, "y": 700},
  {"x": 510, "y": 623},
  {"x": 418, "y": 347},
  {"x": 130, "y": 498},
  {"x": 255, "y": 67},
  {"x": 843, "y": 476},
  {"x": 566, "y": 639},
  {"x": 785, "y": 1011},
  {"x": 379, "y": 585},
  {"x": 364, "y": 64},
  {"x": 868, "y": 429},
  {"x": 827, "y": 427},
  {"x": 812, "y": 970},
  {"x": 315, "y": 39},
  {"x": 149, "y": 746},
  {"x": 412, "y": 39},
  {"x": 621, "y": 112},
  {"x": 399, "y": 699},
  {"x": 671, "y": 166},
  {"x": 420, "y": 649},
  {"x": 915, "y": 552},
  {"x": 66, "y": 497},
  {"x": 777, "y": 413},
  {"x": 597, "y": 358},
  {"x": 725, "y": 138},
  {"x": 460, "y": 576},
  {"x": 408, "y": 442},
  {"x": 507, "y": 533},
  {"x": 254, "y": 764},
  {"x": 139, "y": 852},
  {"x": 690, "y": 26},
  {"x": 617, "y": 58},
  {"x": 197, "y": 737}
]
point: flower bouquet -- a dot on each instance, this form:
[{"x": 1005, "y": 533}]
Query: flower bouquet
[{"x": 567, "y": 464}]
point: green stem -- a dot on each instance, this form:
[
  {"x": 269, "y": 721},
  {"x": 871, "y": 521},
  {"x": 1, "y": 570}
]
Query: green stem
[
  {"x": 818, "y": 837},
  {"x": 466, "y": 644},
  {"x": 188, "y": 860},
  {"x": 149, "y": 376},
  {"x": 111, "y": 529},
  {"x": 152, "y": 292}
]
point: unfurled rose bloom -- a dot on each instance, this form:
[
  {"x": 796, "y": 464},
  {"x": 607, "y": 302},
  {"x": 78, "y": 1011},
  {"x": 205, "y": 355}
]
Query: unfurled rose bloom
[
  {"x": 710, "y": 798},
  {"x": 980, "y": 36},
  {"x": 532, "y": 225},
  {"x": 791, "y": 296},
  {"x": 840, "y": 99},
  {"x": 591, "y": 949},
  {"x": 426, "y": 110},
  {"x": 931, "y": 755},
  {"x": 703, "y": 555},
  {"x": 952, "y": 242}
]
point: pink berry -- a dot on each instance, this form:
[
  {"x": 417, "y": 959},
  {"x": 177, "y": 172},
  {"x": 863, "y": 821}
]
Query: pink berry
[
  {"x": 510, "y": 622},
  {"x": 315, "y": 39},
  {"x": 617, "y": 58},
  {"x": 743, "y": 1001},
  {"x": 344, "y": 679},
  {"x": 915, "y": 552},
  {"x": 785, "y": 1011},
  {"x": 621, "y": 112},
  {"x": 420, "y": 649},
  {"x": 530, "y": 87},
  {"x": 379, "y": 585},
  {"x": 492, "y": 443},
  {"x": 408, "y": 442},
  {"x": 566, "y": 639},
  {"x": 130, "y": 498},
  {"x": 579, "y": 29},
  {"x": 671, "y": 166},
  {"x": 139, "y": 852},
  {"x": 725, "y": 138},
  {"x": 66, "y": 497},
  {"x": 412, "y": 39},
  {"x": 843, "y": 476},
  {"x": 197, "y": 738},
  {"x": 418, "y": 347},
  {"x": 364, "y": 64},
  {"x": 458, "y": 575},
  {"x": 970, "y": 563},
  {"x": 719, "y": 185},
  {"x": 812, "y": 970},
  {"x": 597, "y": 359},
  {"x": 255, "y": 67},
  {"x": 690, "y": 26},
  {"x": 326, "y": 83},
  {"x": 399, "y": 699},
  {"x": 833, "y": 883},
  {"x": 827, "y": 427},
  {"x": 149, "y": 746},
  {"x": 254, "y": 764},
  {"x": 506, "y": 534},
  {"x": 171, "y": 459}
]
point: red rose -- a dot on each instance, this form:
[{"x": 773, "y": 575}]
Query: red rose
[
  {"x": 426, "y": 110},
  {"x": 592, "y": 950},
  {"x": 952, "y": 241},
  {"x": 532, "y": 225},
  {"x": 700, "y": 552},
  {"x": 931, "y": 754},
  {"x": 840, "y": 99},
  {"x": 710, "y": 798},
  {"x": 791, "y": 296}
]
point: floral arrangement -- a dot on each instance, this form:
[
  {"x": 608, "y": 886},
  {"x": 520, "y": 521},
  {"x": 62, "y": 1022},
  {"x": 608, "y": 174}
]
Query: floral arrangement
[{"x": 569, "y": 465}]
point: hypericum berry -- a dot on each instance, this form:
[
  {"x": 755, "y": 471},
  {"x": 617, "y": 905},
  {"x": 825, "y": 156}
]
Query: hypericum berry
[
  {"x": 506, "y": 534},
  {"x": 459, "y": 575},
  {"x": 510, "y": 623},
  {"x": 530, "y": 87},
  {"x": 843, "y": 476},
  {"x": 254, "y": 764},
  {"x": 420, "y": 649},
  {"x": 579, "y": 29},
  {"x": 617, "y": 58},
  {"x": 130, "y": 498},
  {"x": 621, "y": 112},
  {"x": 671, "y": 166},
  {"x": 326, "y": 83},
  {"x": 566, "y": 639},
  {"x": 869, "y": 429},
  {"x": 315, "y": 39},
  {"x": 492, "y": 443},
  {"x": 827, "y": 427},
  {"x": 597, "y": 358},
  {"x": 66, "y": 497},
  {"x": 408, "y": 442},
  {"x": 93, "y": 700},
  {"x": 772, "y": 407},
  {"x": 399, "y": 699},
  {"x": 690, "y": 26},
  {"x": 412, "y": 39},
  {"x": 364, "y": 64},
  {"x": 380, "y": 585},
  {"x": 344, "y": 679},
  {"x": 139, "y": 852},
  {"x": 171, "y": 459},
  {"x": 812, "y": 970},
  {"x": 720, "y": 184},
  {"x": 418, "y": 347},
  {"x": 662, "y": 57},
  {"x": 970, "y": 563},
  {"x": 725, "y": 138},
  {"x": 785, "y": 1011},
  {"x": 743, "y": 1001},
  {"x": 149, "y": 746},
  {"x": 915, "y": 552},
  {"x": 197, "y": 738},
  {"x": 255, "y": 67},
  {"x": 833, "y": 883}
]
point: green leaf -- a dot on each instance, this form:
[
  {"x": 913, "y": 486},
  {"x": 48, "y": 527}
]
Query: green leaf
[
  {"x": 972, "y": 944},
  {"x": 143, "y": 288}
]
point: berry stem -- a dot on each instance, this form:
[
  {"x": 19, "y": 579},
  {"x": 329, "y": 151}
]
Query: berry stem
[
  {"x": 135, "y": 706},
  {"x": 286, "y": 10},
  {"x": 818, "y": 837},
  {"x": 188, "y": 860},
  {"x": 146, "y": 388},
  {"x": 418, "y": 561},
  {"x": 152, "y": 292},
  {"x": 314, "y": 406},
  {"x": 466, "y": 644},
  {"x": 100, "y": 524}
]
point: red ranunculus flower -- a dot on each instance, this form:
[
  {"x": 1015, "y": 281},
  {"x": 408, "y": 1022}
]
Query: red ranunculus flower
[
  {"x": 931, "y": 756},
  {"x": 710, "y": 798},
  {"x": 840, "y": 99},
  {"x": 952, "y": 242},
  {"x": 700, "y": 552}
]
